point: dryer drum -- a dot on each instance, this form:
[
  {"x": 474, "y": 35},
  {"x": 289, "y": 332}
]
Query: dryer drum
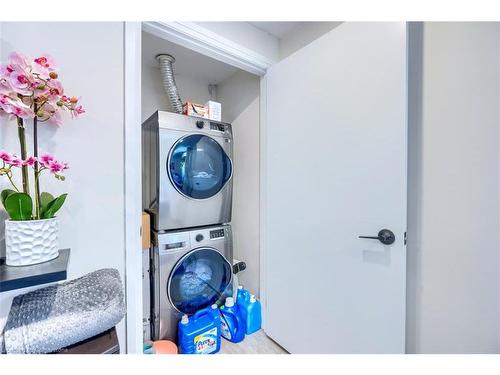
[
  {"x": 198, "y": 167},
  {"x": 198, "y": 280}
]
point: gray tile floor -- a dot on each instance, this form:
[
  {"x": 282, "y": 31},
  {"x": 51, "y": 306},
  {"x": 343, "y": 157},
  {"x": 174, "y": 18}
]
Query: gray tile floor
[{"x": 256, "y": 343}]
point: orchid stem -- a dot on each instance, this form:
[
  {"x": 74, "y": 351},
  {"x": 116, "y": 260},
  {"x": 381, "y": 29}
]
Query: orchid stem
[
  {"x": 37, "y": 173},
  {"x": 21, "y": 131},
  {"x": 9, "y": 176},
  {"x": 12, "y": 183}
]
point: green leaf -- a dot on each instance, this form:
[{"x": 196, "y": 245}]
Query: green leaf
[
  {"x": 54, "y": 206},
  {"x": 5, "y": 194},
  {"x": 19, "y": 206},
  {"x": 45, "y": 199}
]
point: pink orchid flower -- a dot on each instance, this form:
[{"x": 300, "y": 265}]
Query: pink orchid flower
[
  {"x": 79, "y": 110},
  {"x": 55, "y": 89},
  {"x": 55, "y": 118},
  {"x": 20, "y": 60},
  {"x": 5, "y": 156},
  {"x": 46, "y": 159},
  {"x": 23, "y": 111},
  {"x": 6, "y": 69},
  {"x": 15, "y": 162},
  {"x": 29, "y": 83},
  {"x": 6, "y": 103},
  {"x": 20, "y": 81},
  {"x": 15, "y": 107},
  {"x": 43, "y": 65},
  {"x": 30, "y": 161},
  {"x": 56, "y": 167},
  {"x": 5, "y": 87}
]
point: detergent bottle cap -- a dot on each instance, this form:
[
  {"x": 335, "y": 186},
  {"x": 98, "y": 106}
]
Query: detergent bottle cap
[
  {"x": 229, "y": 302},
  {"x": 240, "y": 286},
  {"x": 253, "y": 299},
  {"x": 185, "y": 319}
]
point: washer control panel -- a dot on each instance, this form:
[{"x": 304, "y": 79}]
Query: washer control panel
[
  {"x": 218, "y": 127},
  {"x": 214, "y": 234}
]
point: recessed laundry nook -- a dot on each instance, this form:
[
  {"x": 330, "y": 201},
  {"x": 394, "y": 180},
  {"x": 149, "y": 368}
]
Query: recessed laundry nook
[{"x": 200, "y": 189}]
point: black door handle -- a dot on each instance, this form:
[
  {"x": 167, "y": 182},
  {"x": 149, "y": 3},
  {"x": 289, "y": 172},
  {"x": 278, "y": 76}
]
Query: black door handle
[{"x": 385, "y": 236}]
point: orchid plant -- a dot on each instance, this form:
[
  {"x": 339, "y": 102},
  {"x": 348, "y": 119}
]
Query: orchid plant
[
  {"x": 19, "y": 205},
  {"x": 30, "y": 90}
]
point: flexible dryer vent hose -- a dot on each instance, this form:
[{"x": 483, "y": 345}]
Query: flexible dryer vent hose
[{"x": 167, "y": 77}]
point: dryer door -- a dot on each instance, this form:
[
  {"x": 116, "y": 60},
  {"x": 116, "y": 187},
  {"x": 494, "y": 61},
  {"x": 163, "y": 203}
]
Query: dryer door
[
  {"x": 198, "y": 167},
  {"x": 199, "y": 279}
]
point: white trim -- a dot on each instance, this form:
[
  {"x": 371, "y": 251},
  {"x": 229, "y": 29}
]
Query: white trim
[
  {"x": 132, "y": 185},
  {"x": 263, "y": 199},
  {"x": 206, "y": 42}
]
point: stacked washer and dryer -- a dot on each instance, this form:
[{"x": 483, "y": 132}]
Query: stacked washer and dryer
[{"x": 187, "y": 189}]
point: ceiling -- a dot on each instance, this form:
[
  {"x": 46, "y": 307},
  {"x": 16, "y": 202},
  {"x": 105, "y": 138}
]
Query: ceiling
[
  {"x": 187, "y": 62},
  {"x": 276, "y": 29}
]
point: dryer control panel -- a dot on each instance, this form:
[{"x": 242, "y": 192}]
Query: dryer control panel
[{"x": 214, "y": 234}]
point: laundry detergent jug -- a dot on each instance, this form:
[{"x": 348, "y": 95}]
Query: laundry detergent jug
[
  {"x": 253, "y": 315},
  {"x": 232, "y": 325},
  {"x": 250, "y": 310},
  {"x": 243, "y": 296},
  {"x": 200, "y": 333}
]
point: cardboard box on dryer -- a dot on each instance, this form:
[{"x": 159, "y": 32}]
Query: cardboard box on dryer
[{"x": 195, "y": 109}]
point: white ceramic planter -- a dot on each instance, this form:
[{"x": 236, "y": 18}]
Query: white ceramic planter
[{"x": 31, "y": 242}]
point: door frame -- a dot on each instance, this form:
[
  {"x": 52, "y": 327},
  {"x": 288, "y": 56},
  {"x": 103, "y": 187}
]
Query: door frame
[
  {"x": 206, "y": 42},
  {"x": 133, "y": 185}
]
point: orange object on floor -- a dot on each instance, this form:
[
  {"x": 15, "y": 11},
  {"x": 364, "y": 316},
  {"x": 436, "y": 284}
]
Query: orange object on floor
[{"x": 165, "y": 347}]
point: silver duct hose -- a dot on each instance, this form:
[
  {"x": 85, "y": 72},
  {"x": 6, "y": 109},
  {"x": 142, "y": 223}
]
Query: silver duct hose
[{"x": 167, "y": 77}]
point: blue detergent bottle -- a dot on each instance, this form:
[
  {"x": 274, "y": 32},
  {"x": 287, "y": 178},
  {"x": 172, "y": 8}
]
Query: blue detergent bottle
[
  {"x": 250, "y": 310},
  {"x": 243, "y": 296},
  {"x": 200, "y": 334},
  {"x": 253, "y": 315},
  {"x": 232, "y": 325},
  {"x": 243, "y": 300}
]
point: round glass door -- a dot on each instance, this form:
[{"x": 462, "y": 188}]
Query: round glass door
[
  {"x": 198, "y": 280},
  {"x": 198, "y": 166}
]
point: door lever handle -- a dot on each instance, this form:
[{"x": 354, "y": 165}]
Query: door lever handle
[{"x": 385, "y": 236}]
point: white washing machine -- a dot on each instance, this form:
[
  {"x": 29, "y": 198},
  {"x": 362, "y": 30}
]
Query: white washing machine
[
  {"x": 187, "y": 171},
  {"x": 192, "y": 270}
]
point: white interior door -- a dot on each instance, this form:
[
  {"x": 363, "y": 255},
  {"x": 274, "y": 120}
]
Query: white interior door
[{"x": 334, "y": 169}]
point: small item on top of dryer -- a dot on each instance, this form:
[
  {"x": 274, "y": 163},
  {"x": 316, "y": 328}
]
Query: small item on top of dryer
[
  {"x": 232, "y": 325},
  {"x": 195, "y": 109},
  {"x": 200, "y": 334},
  {"x": 214, "y": 110}
]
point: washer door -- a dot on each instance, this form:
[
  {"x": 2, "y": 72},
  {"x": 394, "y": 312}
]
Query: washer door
[
  {"x": 198, "y": 166},
  {"x": 198, "y": 280}
]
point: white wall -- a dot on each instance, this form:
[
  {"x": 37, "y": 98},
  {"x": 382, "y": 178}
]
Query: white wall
[
  {"x": 90, "y": 57},
  {"x": 303, "y": 35},
  {"x": 453, "y": 212},
  {"x": 239, "y": 95},
  {"x": 237, "y": 92}
]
